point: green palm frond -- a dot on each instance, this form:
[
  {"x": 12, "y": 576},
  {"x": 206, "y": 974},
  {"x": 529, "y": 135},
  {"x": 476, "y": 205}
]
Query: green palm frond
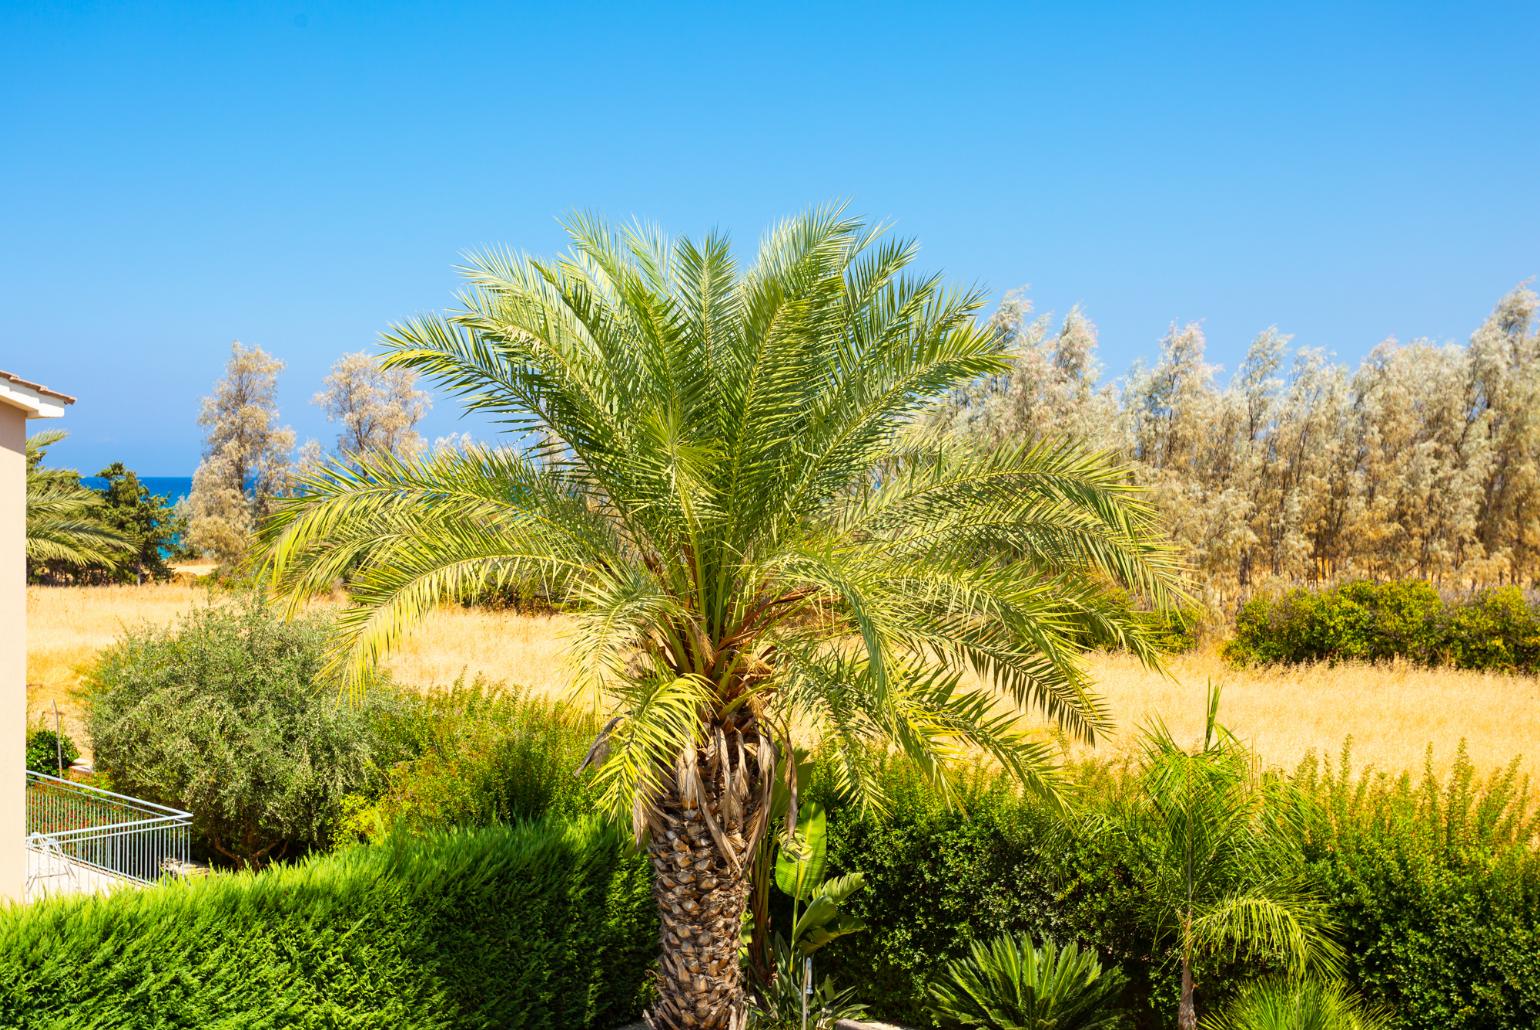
[
  {"x": 65, "y": 524},
  {"x": 714, "y": 468}
]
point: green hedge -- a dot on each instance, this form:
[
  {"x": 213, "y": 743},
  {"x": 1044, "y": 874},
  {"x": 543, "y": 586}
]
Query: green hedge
[
  {"x": 1436, "y": 887},
  {"x": 1497, "y": 629},
  {"x": 547, "y": 925}
]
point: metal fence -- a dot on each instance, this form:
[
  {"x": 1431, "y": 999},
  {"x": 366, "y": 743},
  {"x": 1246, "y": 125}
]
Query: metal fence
[{"x": 74, "y": 825}]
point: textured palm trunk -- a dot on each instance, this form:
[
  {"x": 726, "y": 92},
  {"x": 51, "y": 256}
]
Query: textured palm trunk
[
  {"x": 1186, "y": 1013},
  {"x": 701, "y": 837}
]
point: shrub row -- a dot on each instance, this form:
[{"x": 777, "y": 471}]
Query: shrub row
[
  {"x": 1435, "y": 885},
  {"x": 543, "y": 925},
  {"x": 1364, "y": 621}
]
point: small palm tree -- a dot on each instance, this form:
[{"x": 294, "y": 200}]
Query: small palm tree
[
  {"x": 712, "y": 467},
  {"x": 1215, "y": 841},
  {"x": 64, "y": 519}
]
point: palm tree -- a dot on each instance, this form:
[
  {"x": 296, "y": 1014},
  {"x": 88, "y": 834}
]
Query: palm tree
[
  {"x": 1216, "y": 842},
  {"x": 64, "y": 519},
  {"x": 713, "y": 469}
]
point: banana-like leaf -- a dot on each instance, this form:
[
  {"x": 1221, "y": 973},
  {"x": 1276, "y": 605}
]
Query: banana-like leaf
[
  {"x": 799, "y": 868},
  {"x": 822, "y": 921}
]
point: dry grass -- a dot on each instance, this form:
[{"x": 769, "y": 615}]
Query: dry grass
[
  {"x": 1392, "y": 713},
  {"x": 67, "y": 626}
]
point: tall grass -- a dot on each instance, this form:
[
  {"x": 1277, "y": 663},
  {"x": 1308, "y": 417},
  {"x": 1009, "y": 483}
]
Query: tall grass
[{"x": 1392, "y": 711}]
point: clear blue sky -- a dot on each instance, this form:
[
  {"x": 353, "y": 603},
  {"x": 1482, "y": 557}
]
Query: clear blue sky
[{"x": 297, "y": 175}]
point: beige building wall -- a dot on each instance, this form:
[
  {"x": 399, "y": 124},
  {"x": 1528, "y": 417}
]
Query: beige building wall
[{"x": 13, "y": 652}]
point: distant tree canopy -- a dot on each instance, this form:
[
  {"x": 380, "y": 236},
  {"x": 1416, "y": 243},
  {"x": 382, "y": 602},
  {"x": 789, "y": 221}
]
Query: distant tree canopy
[
  {"x": 144, "y": 520},
  {"x": 376, "y": 408},
  {"x": 246, "y": 456},
  {"x": 1423, "y": 462}
]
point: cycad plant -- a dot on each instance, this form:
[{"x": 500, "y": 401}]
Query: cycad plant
[
  {"x": 711, "y": 466},
  {"x": 1218, "y": 862},
  {"x": 1013, "y": 984},
  {"x": 65, "y": 526}
]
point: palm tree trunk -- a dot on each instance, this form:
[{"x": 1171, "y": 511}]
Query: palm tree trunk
[
  {"x": 1186, "y": 1013},
  {"x": 702, "y": 835}
]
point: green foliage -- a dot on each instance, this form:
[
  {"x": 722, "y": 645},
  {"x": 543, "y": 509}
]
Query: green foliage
[
  {"x": 224, "y": 715},
  {"x": 1364, "y": 621},
  {"x": 144, "y": 520},
  {"x": 778, "y": 1006},
  {"x": 1434, "y": 885},
  {"x": 1176, "y": 630},
  {"x": 1281, "y": 1004},
  {"x": 45, "y": 749},
  {"x": 68, "y": 535},
  {"x": 1222, "y": 865},
  {"x": 1497, "y": 629},
  {"x": 1013, "y": 984},
  {"x": 692, "y": 450},
  {"x": 818, "y": 915},
  {"x": 479, "y": 754},
  {"x": 544, "y": 925},
  {"x": 1437, "y": 884}
]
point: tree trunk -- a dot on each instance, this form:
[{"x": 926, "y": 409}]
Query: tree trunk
[
  {"x": 1186, "y": 1013},
  {"x": 702, "y": 833}
]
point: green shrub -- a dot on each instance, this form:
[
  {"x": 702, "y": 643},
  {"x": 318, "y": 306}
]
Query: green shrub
[
  {"x": 1497, "y": 629},
  {"x": 224, "y": 715},
  {"x": 1280, "y": 1004},
  {"x": 479, "y": 755},
  {"x": 544, "y": 925},
  {"x": 50, "y": 752},
  {"x": 1013, "y": 984},
  {"x": 1435, "y": 886},
  {"x": 1365, "y": 621}
]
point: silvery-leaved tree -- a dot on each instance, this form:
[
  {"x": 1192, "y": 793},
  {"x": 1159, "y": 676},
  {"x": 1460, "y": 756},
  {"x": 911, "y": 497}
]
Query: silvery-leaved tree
[{"x": 713, "y": 468}]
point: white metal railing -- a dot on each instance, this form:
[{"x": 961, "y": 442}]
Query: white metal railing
[{"x": 73, "y": 824}]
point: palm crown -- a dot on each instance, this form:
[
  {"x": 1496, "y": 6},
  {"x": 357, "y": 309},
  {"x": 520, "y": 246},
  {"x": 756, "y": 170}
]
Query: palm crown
[
  {"x": 717, "y": 471},
  {"x": 64, "y": 518}
]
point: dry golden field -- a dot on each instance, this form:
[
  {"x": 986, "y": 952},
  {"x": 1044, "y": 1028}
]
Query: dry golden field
[{"x": 1392, "y": 712}]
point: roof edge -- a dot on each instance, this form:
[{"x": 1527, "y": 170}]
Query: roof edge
[{"x": 35, "y": 399}]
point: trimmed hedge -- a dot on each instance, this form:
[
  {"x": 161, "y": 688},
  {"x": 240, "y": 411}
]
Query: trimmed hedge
[
  {"x": 1364, "y": 621},
  {"x": 1435, "y": 885},
  {"x": 542, "y": 925}
]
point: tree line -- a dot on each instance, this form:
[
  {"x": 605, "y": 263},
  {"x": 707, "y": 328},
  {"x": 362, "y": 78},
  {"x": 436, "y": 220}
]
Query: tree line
[
  {"x": 1423, "y": 461},
  {"x": 122, "y": 532},
  {"x": 249, "y": 459}
]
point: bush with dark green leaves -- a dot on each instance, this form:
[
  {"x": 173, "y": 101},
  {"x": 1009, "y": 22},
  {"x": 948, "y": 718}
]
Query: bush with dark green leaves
[
  {"x": 50, "y": 752},
  {"x": 1434, "y": 886},
  {"x": 146, "y": 521},
  {"x": 544, "y": 925},
  {"x": 1364, "y": 621},
  {"x": 225, "y": 715}
]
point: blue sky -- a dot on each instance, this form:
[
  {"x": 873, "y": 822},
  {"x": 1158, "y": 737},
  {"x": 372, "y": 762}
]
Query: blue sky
[{"x": 298, "y": 175}]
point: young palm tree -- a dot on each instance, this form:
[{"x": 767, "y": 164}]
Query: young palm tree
[
  {"x": 64, "y": 522},
  {"x": 1216, "y": 842},
  {"x": 711, "y": 468}
]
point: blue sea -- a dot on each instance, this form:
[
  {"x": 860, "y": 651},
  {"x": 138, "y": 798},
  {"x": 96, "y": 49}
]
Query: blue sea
[{"x": 172, "y": 488}]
